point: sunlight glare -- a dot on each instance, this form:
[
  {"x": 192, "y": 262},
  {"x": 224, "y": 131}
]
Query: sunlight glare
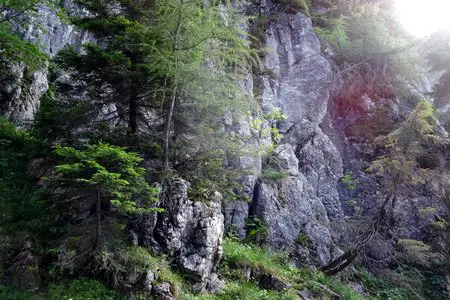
[{"x": 421, "y": 18}]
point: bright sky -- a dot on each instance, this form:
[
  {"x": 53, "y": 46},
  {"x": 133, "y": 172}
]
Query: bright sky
[{"x": 422, "y": 17}]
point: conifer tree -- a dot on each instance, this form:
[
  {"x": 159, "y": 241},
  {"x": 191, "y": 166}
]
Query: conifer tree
[
  {"x": 414, "y": 154},
  {"x": 111, "y": 174}
]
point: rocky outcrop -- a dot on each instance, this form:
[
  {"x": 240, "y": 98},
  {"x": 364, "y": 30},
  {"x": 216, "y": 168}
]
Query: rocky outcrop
[
  {"x": 303, "y": 203},
  {"x": 20, "y": 89},
  {"x": 192, "y": 233}
]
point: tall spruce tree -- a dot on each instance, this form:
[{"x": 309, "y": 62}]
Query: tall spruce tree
[
  {"x": 149, "y": 54},
  {"x": 118, "y": 68}
]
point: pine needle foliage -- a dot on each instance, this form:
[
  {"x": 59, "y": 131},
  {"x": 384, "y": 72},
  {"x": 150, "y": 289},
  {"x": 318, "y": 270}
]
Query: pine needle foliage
[
  {"x": 110, "y": 171},
  {"x": 416, "y": 153}
]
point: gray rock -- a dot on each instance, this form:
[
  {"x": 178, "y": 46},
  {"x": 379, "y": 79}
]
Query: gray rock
[
  {"x": 289, "y": 208},
  {"x": 192, "y": 232},
  {"x": 306, "y": 294},
  {"x": 20, "y": 92},
  {"x": 23, "y": 269},
  {"x": 303, "y": 203},
  {"x": 286, "y": 160},
  {"x": 322, "y": 165},
  {"x": 236, "y": 214},
  {"x": 162, "y": 291}
]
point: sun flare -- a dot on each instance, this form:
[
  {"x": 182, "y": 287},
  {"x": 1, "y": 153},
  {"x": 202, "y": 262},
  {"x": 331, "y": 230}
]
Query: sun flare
[{"x": 421, "y": 18}]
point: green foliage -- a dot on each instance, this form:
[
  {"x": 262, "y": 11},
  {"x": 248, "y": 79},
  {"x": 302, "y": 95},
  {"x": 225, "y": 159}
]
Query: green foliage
[
  {"x": 383, "y": 287},
  {"x": 118, "y": 265},
  {"x": 60, "y": 120},
  {"x": 244, "y": 291},
  {"x": 244, "y": 255},
  {"x": 265, "y": 127},
  {"x": 415, "y": 252},
  {"x": 22, "y": 202},
  {"x": 273, "y": 175},
  {"x": 110, "y": 171},
  {"x": 376, "y": 59},
  {"x": 238, "y": 256},
  {"x": 302, "y": 239},
  {"x": 81, "y": 289},
  {"x": 9, "y": 293},
  {"x": 295, "y": 6},
  {"x": 349, "y": 181},
  {"x": 415, "y": 151},
  {"x": 12, "y": 47},
  {"x": 257, "y": 230}
]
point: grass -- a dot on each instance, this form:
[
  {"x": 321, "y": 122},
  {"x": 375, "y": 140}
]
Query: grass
[
  {"x": 244, "y": 291},
  {"x": 238, "y": 256}
]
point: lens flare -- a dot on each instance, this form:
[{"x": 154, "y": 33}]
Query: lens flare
[{"x": 421, "y": 18}]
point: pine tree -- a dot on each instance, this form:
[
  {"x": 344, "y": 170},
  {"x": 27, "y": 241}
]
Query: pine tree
[
  {"x": 111, "y": 174},
  {"x": 414, "y": 154},
  {"x": 178, "y": 61}
]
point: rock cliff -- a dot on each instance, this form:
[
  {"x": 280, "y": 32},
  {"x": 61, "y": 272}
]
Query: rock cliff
[{"x": 300, "y": 211}]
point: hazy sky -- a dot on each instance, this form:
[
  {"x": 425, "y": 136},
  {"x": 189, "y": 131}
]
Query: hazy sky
[{"x": 421, "y": 17}]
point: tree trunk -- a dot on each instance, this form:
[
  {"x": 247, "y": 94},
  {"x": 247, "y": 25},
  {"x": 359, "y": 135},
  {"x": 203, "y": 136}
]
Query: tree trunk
[
  {"x": 98, "y": 223},
  {"x": 340, "y": 263},
  {"x": 133, "y": 113},
  {"x": 167, "y": 129},
  {"x": 378, "y": 224}
]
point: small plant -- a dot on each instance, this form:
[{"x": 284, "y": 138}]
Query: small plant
[
  {"x": 272, "y": 175},
  {"x": 257, "y": 230},
  {"x": 427, "y": 211},
  {"x": 351, "y": 183},
  {"x": 265, "y": 128},
  {"x": 302, "y": 240}
]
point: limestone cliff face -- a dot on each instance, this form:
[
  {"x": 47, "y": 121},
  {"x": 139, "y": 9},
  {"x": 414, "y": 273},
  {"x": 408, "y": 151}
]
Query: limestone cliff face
[
  {"x": 299, "y": 210},
  {"x": 20, "y": 90},
  {"x": 303, "y": 203}
]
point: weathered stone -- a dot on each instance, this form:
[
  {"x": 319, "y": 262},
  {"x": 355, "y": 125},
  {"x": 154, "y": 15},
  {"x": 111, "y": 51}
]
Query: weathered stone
[
  {"x": 162, "y": 291},
  {"x": 286, "y": 161},
  {"x": 192, "y": 232},
  {"x": 236, "y": 214},
  {"x": 306, "y": 294},
  {"x": 321, "y": 163},
  {"x": 289, "y": 208},
  {"x": 302, "y": 203}
]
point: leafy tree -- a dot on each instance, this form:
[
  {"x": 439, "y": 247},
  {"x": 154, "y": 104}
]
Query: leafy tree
[
  {"x": 111, "y": 174},
  {"x": 148, "y": 53}
]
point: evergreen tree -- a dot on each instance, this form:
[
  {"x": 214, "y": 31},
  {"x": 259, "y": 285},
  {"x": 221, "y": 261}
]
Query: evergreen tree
[
  {"x": 172, "y": 69},
  {"x": 110, "y": 175},
  {"x": 414, "y": 154},
  {"x": 148, "y": 53}
]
